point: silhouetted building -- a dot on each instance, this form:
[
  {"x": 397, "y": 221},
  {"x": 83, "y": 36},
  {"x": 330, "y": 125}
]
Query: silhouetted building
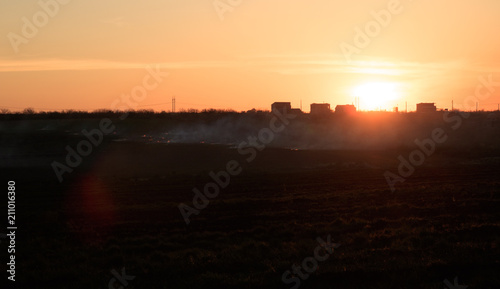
[
  {"x": 281, "y": 106},
  {"x": 285, "y": 107},
  {"x": 345, "y": 109},
  {"x": 426, "y": 107},
  {"x": 320, "y": 108}
]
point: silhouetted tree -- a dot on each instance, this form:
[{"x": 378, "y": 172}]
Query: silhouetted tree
[{"x": 29, "y": 110}]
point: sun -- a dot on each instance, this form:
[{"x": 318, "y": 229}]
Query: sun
[{"x": 377, "y": 95}]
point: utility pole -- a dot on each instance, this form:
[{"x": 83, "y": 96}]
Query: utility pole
[{"x": 173, "y": 103}]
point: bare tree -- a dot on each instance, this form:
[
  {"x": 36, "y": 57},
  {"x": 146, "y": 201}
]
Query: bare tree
[{"x": 29, "y": 110}]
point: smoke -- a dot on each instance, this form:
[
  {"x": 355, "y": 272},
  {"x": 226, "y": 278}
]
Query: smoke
[
  {"x": 364, "y": 131},
  {"x": 361, "y": 131}
]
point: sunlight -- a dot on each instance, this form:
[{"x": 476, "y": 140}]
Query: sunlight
[{"x": 377, "y": 95}]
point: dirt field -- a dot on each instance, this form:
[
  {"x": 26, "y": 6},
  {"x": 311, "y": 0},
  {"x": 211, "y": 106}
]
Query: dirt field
[{"x": 120, "y": 209}]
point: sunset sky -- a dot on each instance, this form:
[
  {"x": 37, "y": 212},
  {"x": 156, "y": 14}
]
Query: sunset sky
[{"x": 87, "y": 54}]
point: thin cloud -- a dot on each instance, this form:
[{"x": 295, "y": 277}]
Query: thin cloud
[
  {"x": 92, "y": 64},
  {"x": 281, "y": 64}
]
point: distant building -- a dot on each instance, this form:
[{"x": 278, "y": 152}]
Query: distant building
[
  {"x": 281, "y": 106},
  {"x": 285, "y": 107},
  {"x": 320, "y": 108},
  {"x": 345, "y": 109},
  {"x": 426, "y": 107}
]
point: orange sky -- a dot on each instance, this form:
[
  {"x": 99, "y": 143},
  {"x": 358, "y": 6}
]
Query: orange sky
[{"x": 87, "y": 54}]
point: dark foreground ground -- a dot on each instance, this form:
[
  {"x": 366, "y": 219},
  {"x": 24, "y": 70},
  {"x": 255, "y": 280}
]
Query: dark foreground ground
[{"x": 119, "y": 209}]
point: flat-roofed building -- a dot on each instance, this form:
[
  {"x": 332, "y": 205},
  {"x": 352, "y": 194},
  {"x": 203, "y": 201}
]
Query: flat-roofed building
[
  {"x": 345, "y": 109},
  {"x": 281, "y": 106},
  {"x": 426, "y": 107},
  {"x": 320, "y": 108}
]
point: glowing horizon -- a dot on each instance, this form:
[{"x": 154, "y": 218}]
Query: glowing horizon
[{"x": 377, "y": 95}]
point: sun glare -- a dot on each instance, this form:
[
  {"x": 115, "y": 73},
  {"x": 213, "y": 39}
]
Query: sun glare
[{"x": 377, "y": 95}]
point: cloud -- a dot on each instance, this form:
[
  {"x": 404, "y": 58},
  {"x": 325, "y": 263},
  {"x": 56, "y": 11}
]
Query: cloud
[
  {"x": 95, "y": 64},
  {"x": 281, "y": 64}
]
